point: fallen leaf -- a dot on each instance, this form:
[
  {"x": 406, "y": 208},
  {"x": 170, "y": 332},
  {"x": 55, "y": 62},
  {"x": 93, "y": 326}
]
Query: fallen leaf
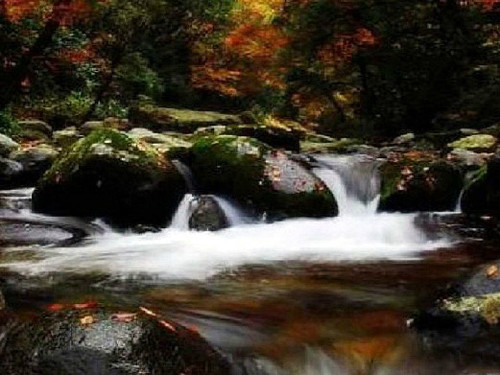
[
  {"x": 167, "y": 325},
  {"x": 492, "y": 272},
  {"x": 123, "y": 317},
  {"x": 55, "y": 307},
  {"x": 87, "y": 320},
  {"x": 146, "y": 311}
]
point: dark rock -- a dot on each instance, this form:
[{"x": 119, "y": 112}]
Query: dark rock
[
  {"x": 409, "y": 186},
  {"x": 482, "y": 195},
  {"x": 10, "y": 173},
  {"x": 36, "y": 126},
  {"x": 259, "y": 178},
  {"x": 95, "y": 342},
  {"x": 207, "y": 215},
  {"x": 109, "y": 175},
  {"x": 7, "y": 145}
]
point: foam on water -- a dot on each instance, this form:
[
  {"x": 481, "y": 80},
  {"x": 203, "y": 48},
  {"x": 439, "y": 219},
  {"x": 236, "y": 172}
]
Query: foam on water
[{"x": 357, "y": 234}]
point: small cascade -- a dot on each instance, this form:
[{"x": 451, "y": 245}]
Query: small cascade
[
  {"x": 354, "y": 181},
  {"x": 234, "y": 215},
  {"x": 183, "y": 213},
  {"x": 458, "y": 207},
  {"x": 186, "y": 173}
]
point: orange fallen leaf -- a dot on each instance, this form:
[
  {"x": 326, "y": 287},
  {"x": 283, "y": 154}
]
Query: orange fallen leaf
[
  {"x": 146, "y": 311},
  {"x": 167, "y": 325},
  {"x": 492, "y": 272},
  {"x": 123, "y": 317},
  {"x": 55, "y": 307},
  {"x": 85, "y": 305}
]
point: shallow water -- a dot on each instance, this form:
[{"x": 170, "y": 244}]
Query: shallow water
[{"x": 303, "y": 296}]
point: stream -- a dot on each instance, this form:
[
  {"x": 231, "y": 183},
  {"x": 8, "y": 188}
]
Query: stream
[{"x": 296, "y": 297}]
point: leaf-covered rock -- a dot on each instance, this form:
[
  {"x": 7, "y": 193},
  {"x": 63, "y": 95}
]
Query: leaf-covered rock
[
  {"x": 108, "y": 174},
  {"x": 409, "y": 186}
]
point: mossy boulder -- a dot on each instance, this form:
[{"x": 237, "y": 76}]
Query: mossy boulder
[
  {"x": 93, "y": 341},
  {"x": 259, "y": 177},
  {"x": 319, "y": 144},
  {"x": 108, "y": 174},
  {"x": 410, "y": 186},
  {"x": 476, "y": 143},
  {"x": 482, "y": 194},
  {"x": 180, "y": 120}
]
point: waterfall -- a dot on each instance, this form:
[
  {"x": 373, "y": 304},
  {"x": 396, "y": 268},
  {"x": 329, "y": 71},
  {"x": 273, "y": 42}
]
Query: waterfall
[
  {"x": 186, "y": 173},
  {"x": 353, "y": 180}
]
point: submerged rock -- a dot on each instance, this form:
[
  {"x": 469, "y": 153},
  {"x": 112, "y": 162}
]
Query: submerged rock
[
  {"x": 181, "y": 120},
  {"x": 108, "y": 174},
  {"x": 260, "y": 178},
  {"x": 96, "y": 342},
  {"x": 207, "y": 215},
  {"x": 409, "y": 186}
]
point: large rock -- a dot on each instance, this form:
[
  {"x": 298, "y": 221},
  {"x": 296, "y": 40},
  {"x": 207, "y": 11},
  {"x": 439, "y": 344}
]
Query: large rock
[
  {"x": 409, "y": 186},
  {"x": 476, "y": 143},
  {"x": 7, "y": 145},
  {"x": 482, "y": 195},
  {"x": 108, "y": 174},
  {"x": 91, "y": 341},
  {"x": 180, "y": 120},
  {"x": 260, "y": 178},
  {"x": 207, "y": 215}
]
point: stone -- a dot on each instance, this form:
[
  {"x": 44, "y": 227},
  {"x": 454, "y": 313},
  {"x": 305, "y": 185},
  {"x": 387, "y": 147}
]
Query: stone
[
  {"x": 66, "y": 137},
  {"x": 7, "y": 145},
  {"x": 476, "y": 143},
  {"x": 207, "y": 215}
]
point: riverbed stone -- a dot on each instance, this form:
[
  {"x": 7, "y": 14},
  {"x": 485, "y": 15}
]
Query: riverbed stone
[
  {"x": 410, "y": 186},
  {"x": 259, "y": 177},
  {"x": 175, "y": 119},
  {"x": 108, "y": 174},
  {"x": 207, "y": 215},
  {"x": 66, "y": 137},
  {"x": 93, "y": 341},
  {"x": 10, "y": 173}
]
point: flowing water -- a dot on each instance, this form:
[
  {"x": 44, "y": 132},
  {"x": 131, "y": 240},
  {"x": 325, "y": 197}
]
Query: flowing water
[{"x": 302, "y": 296}]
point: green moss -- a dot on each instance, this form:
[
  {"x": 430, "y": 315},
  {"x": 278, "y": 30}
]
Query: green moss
[
  {"x": 476, "y": 142},
  {"x": 104, "y": 142},
  {"x": 487, "y": 306}
]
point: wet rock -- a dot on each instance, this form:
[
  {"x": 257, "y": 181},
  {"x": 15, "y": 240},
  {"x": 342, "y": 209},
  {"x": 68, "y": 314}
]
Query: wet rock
[
  {"x": 207, "y": 215},
  {"x": 325, "y": 145},
  {"x": 482, "y": 195},
  {"x": 409, "y": 186},
  {"x": 93, "y": 341},
  {"x": 468, "y": 158},
  {"x": 260, "y": 178},
  {"x": 476, "y": 143},
  {"x": 66, "y": 137},
  {"x": 35, "y": 161},
  {"x": 24, "y": 233},
  {"x": 108, "y": 174},
  {"x": 90, "y": 126},
  {"x": 7, "y": 145},
  {"x": 180, "y": 120}
]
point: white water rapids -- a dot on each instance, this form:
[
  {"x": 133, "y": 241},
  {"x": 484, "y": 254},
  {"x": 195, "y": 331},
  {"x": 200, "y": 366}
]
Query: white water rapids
[{"x": 357, "y": 234}]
